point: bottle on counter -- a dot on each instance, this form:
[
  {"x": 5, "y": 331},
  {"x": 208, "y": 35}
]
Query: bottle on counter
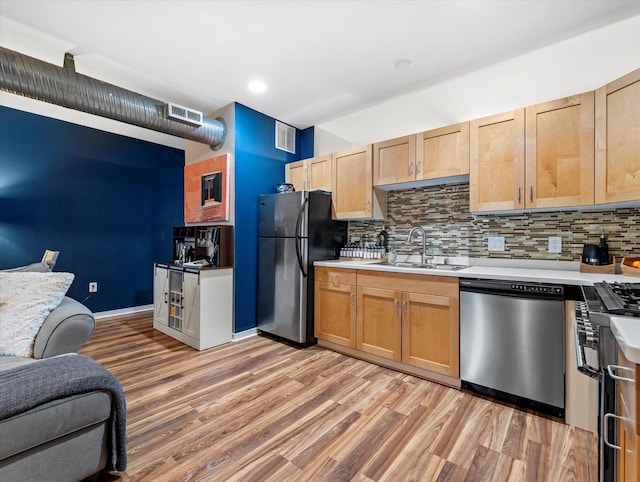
[
  {"x": 604, "y": 250},
  {"x": 383, "y": 239}
]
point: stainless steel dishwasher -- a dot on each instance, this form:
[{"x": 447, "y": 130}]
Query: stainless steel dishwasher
[{"x": 512, "y": 342}]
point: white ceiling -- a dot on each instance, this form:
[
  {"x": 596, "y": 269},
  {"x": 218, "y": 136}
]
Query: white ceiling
[{"x": 320, "y": 59}]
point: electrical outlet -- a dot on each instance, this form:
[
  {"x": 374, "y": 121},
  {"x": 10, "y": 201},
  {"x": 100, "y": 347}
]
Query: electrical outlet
[
  {"x": 93, "y": 287},
  {"x": 555, "y": 244},
  {"x": 496, "y": 243}
]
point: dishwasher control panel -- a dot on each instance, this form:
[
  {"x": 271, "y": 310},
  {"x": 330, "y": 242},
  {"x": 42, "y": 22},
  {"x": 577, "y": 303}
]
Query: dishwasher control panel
[{"x": 535, "y": 288}]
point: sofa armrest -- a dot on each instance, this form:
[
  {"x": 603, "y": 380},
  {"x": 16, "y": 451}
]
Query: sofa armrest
[{"x": 65, "y": 330}]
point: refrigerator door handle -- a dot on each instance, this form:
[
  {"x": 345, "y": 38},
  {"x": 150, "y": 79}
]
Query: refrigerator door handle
[{"x": 298, "y": 237}]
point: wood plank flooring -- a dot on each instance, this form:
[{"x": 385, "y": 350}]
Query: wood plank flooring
[{"x": 258, "y": 410}]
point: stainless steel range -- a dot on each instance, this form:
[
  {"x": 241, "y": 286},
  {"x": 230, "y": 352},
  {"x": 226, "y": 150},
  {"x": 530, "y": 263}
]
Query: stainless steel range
[{"x": 596, "y": 355}]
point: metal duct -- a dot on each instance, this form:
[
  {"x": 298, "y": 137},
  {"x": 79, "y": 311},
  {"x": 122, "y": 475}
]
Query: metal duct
[{"x": 30, "y": 77}]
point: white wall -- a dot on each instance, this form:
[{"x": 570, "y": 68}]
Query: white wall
[{"x": 576, "y": 65}]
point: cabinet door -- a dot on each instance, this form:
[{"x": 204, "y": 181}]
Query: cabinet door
[
  {"x": 443, "y": 152},
  {"x": 560, "y": 153},
  {"x": 394, "y": 161},
  {"x": 160, "y": 295},
  {"x": 191, "y": 303},
  {"x": 296, "y": 174},
  {"x": 430, "y": 333},
  {"x": 496, "y": 164},
  {"x": 618, "y": 140},
  {"x": 352, "y": 189},
  {"x": 335, "y": 313},
  {"x": 319, "y": 173},
  {"x": 379, "y": 322}
]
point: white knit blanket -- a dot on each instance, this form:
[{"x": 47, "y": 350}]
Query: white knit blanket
[{"x": 26, "y": 299}]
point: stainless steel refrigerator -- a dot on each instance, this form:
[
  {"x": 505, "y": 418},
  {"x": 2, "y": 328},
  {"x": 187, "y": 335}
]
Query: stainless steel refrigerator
[{"x": 295, "y": 229}]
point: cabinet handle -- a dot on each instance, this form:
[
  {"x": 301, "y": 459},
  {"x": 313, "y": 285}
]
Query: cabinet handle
[
  {"x": 519, "y": 195},
  {"x": 610, "y": 369},
  {"x": 418, "y": 167},
  {"x": 605, "y": 429},
  {"x": 397, "y": 303},
  {"x": 368, "y": 206},
  {"x": 165, "y": 297},
  {"x": 404, "y": 308},
  {"x": 352, "y": 299},
  {"x": 531, "y": 193},
  {"x": 411, "y": 168}
]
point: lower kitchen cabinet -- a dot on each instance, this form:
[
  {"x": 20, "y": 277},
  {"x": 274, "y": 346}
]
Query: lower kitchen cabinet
[
  {"x": 193, "y": 306},
  {"x": 430, "y": 332},
  {"x": 335, "y": 305},
  {"x": 628, "y": 420},
  {"x": 379, "y": 322},
  {"x": 411, "y": 321}
]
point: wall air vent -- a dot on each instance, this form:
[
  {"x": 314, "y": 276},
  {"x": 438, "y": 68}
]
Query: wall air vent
[
  {"x": 285, "y": 137},
  {"x": 183, "y": 114}
]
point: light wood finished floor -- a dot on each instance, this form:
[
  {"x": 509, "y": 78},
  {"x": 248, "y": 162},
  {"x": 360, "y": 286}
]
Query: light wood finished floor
[{"x": 259, "y": 410}]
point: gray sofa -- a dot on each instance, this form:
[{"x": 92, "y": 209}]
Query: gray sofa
[{"x": 66, "y": 439}]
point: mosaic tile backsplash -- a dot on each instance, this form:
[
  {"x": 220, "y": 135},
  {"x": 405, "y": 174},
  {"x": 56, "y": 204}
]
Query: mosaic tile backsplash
[{"x": 443, "y": 212}]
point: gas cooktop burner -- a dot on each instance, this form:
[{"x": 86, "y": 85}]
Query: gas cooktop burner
[{"x": 620, "y": 298}]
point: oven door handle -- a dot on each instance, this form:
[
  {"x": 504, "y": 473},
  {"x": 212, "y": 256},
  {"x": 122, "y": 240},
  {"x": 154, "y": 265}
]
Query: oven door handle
[
  {"x": 605, "y": 430},
  {"x": 610, "y": 369}
]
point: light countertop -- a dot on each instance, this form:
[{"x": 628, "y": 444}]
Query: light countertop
[{"x": 625, "y": 329}]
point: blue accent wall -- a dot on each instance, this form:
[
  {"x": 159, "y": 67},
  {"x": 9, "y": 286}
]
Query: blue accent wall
[
  {"x": 259, "y": 166},
  {"x": 306, "y": 147},
  {"x": 107, "y": 202}
]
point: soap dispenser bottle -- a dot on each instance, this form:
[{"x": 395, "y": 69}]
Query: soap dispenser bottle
[{"x": 604, "y": 249}]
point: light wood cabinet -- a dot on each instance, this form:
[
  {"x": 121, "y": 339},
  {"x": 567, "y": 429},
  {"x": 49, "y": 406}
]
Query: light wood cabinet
[
  {"x": 160, "y": 295},
  {"x": 352, "y": 189},
  {"x": 296, "y": 173},
  {"x": 432, "y": 154},
  {"x": 430, "y": 332},
  {"x": 379, "y": 323},
  {"x": 538, "y": 157},
  {"x": 394, "y": 161},
  {"x": 496, "y": 166},
  {"x": 628, "y": 421},
  {"x": 310, "y": 174},
  {"x": 617, "y": 144},
  {"x": 559, "y": 153},
  {"x": 335, "y": 305},
  {"x": 411, "y": 318},
  {"x": 443, "y": 152}
]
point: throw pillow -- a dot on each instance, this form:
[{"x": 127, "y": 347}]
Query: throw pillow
[{"x": 26, "y": 299}]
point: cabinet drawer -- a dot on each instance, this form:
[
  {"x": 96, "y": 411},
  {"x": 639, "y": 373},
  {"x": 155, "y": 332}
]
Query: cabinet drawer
[
  {"x": 336, "y": 276},
  {"x": 415, "y": 283}
]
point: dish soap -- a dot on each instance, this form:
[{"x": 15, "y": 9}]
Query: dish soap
[{"x": 604, "y": 250}]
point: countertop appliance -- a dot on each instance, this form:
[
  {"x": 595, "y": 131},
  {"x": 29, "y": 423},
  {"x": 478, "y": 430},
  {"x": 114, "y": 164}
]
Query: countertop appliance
[
  {"x": 596, "y": 354},
  {"x": 295, "y": 229},
  {"x": 512, "y": 342}
]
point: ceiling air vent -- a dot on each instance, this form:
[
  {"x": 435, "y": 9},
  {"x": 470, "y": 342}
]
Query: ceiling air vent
[
  {"x": 183, "y": 114},
  {"x": 285, "y": 137}
]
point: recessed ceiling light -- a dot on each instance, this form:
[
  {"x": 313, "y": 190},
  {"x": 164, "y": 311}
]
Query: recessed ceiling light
[
  {"x": 403, "y": 64},
  {"x": 257, "y": 86}
]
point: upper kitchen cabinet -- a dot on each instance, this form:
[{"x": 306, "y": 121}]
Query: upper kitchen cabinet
[
  {"x": 394, "y": 161},
  {"x": 443, "y": 152},
  {"x": 296, "y": 173},
  {"x": 496, "y": 165},
  {"x": 559, "y": 153},
  {"x": 310, "y": 174},
  {"x": 617, "y": 146},
  {"x": 352, "y": 189}
]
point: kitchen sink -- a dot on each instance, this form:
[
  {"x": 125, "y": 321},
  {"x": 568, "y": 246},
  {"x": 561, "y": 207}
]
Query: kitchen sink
[{"x": 405, "y": 264}]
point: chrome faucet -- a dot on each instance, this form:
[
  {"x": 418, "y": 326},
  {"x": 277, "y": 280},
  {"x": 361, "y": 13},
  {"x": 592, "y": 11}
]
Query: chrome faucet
[{"x": 424, "y": 241}]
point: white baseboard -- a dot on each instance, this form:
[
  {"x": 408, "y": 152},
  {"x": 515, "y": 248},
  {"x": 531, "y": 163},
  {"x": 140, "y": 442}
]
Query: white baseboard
[
  {"x": 123, "y": 311},
  {"x": 244, "y": 334}
]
